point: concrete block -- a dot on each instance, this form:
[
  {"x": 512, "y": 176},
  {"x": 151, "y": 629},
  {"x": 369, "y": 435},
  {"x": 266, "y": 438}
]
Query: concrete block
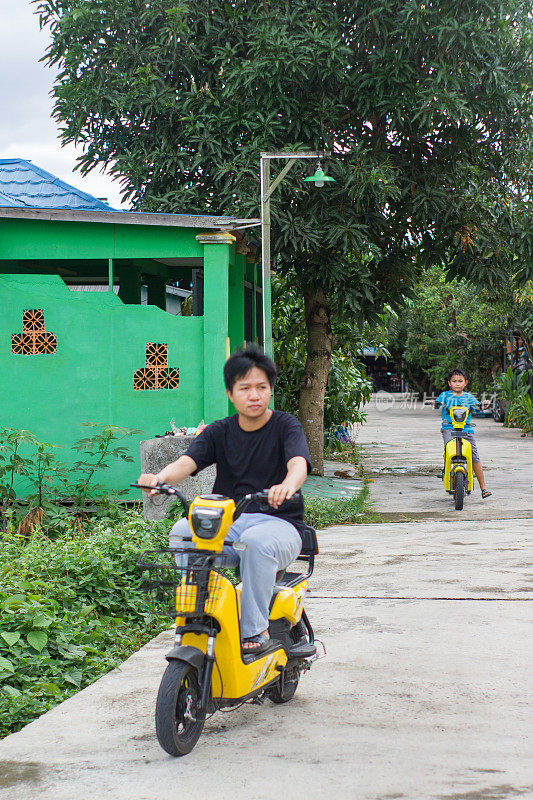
[{"x": 156, "y": 454}]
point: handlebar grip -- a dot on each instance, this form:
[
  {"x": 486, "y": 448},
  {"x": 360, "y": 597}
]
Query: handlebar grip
[{"x": 165, "y": 488}]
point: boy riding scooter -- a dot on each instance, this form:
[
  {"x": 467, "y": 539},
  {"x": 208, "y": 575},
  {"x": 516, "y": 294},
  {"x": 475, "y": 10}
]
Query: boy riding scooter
[
  {"x": 457, "y": 396},
  {"x": 254, "y": 449}
]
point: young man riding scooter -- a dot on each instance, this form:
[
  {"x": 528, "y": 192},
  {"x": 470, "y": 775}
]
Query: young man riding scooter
[{"x": 256, "y": 448}]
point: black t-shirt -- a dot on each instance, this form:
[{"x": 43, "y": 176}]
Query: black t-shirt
[{"x": 249, "y": 461}]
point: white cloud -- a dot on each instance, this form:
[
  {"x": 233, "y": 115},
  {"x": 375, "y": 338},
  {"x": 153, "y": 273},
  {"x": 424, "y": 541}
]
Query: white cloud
[{"x": 27, "y": 129}]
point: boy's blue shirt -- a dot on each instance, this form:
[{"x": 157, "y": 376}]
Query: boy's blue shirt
[{"x": 448, "y": 400}]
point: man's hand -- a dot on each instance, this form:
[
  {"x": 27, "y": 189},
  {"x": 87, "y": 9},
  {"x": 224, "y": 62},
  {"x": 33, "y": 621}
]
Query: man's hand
[
  {"x": 148, "y": 479},
  {"x": 174, "y": 474},
  {"x": 294, "y": 479},
  {"x": 281, "y": 492}
]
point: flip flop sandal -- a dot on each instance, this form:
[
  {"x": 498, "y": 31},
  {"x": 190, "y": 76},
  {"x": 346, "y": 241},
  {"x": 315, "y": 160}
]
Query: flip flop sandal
[
  {"x": 485, "y": 493},
  {"x": 261, "y": 641}
]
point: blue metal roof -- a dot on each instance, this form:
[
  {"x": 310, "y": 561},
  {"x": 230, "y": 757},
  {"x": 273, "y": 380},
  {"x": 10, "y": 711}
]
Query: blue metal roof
[{"x": 24, "y": 185}]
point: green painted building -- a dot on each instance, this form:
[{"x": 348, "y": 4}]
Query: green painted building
[{"x": 99, "y": 354}]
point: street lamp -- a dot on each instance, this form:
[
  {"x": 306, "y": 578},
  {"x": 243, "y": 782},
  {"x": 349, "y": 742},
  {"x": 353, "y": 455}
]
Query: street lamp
[
  {"x": 319, "y": 178},
  {"x": 266, "y": 190}
]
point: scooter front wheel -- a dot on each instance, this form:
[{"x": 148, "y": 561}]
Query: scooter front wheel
[
  {"x": 178, "y": 722},
  {"x": 459, "y": 490}
]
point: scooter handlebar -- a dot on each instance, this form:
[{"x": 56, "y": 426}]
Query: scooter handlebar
[
  {"x": 261, "y": 498},
  {"x": 165, "y": 488}
]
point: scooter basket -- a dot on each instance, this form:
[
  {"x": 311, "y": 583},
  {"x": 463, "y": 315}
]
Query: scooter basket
[{"x": 180, "y": 582}]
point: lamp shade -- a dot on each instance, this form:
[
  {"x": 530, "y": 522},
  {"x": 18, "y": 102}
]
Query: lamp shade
[{"x": 319, "y": 178}]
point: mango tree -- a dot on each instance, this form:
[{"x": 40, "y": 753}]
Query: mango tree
[{"x": 425, "y": 104}]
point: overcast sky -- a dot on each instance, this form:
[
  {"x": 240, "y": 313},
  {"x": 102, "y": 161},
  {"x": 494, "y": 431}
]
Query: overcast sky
[{"x": 27, "y": 129}]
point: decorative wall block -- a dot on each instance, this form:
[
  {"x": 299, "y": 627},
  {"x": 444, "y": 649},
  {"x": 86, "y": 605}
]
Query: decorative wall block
[
  {"x": 156, "y": 374},
  {"x": 35, "y": 339}
]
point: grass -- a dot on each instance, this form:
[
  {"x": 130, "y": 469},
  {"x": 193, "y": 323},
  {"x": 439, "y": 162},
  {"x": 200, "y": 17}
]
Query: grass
[
  {"x": 346, "y": 452},
  {"x": 352, "y": 511}
]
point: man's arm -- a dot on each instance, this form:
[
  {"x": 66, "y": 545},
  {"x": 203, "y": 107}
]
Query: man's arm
[
  {"x": 173, "y": 473},
  {"x": 294, "y": 480}
]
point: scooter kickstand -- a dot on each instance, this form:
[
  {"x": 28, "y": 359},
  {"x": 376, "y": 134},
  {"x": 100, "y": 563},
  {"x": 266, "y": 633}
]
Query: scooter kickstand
[{"x": 258, "y": 701}]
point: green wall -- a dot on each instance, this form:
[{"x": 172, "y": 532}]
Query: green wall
[
  {"x": 53, "y": 239},
  {"x": 100, "y": 343}
]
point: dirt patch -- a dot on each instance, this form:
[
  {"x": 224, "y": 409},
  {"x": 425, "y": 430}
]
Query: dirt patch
[
  {"x": 451, "y": 516},
  {"x": 490, "y": 793},
  {"x": 14, "y": 772}
]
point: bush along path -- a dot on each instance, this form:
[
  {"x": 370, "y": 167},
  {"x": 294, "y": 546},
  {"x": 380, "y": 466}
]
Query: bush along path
[{"x": 71, "y": 609}]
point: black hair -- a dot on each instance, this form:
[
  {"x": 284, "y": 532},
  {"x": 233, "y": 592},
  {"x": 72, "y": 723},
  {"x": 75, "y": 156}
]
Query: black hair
[
  {"x": 457, "y": 372},
  {"x": 242, "y": 361}
]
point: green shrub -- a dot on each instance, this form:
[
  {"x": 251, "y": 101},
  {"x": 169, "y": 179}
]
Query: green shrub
[
  {"x": 514, "y": 387},
  {"x": 353, "y": 510},
  {"x": 70, "y": 610},
  {"x": 23, "y": 455},
  {"x": 520, "y": 413},
  {"x": 511, "y": 384}
]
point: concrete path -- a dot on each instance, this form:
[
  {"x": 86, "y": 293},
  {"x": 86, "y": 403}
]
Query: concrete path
[{"x": 423, "y": 694}]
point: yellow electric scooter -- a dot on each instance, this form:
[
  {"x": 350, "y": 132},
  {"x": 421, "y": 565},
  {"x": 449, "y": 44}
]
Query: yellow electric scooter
[
  {"x": 207, "y": 668},
  {"x": 458, "y": 474}
]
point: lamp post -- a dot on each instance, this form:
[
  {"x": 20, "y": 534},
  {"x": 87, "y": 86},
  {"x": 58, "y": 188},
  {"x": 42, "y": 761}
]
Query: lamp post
[{"x": 266, "y": 190}]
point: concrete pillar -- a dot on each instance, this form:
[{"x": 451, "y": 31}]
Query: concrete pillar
[
  {"x": 236, "y": 302},
  {"x": 259, "y": 333},
  {"x": 156, "y": 454},
  {"x": 219, "y": 251}
]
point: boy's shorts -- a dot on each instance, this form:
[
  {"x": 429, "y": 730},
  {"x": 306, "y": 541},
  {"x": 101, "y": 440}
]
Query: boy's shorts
[{"x": 448, "y": 435}]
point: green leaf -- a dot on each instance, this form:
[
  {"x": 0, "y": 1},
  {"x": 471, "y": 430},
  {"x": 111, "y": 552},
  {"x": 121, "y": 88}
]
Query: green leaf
[
  {"x": 14, "y": 601},
  {"x": 6, "y": 665},
  {"x": 11, "y": 637},
  {"x": 37, "y": 639},
  {"x": 12, "y": 691},
  {"x": 73, "y": 676},
  {"x": 41, "y": 620},
  {"x": 51, "y": 689}
]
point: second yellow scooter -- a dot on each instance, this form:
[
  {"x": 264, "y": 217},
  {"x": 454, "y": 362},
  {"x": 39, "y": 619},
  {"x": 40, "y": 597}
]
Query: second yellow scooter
[{"x": 458, "y": 474}]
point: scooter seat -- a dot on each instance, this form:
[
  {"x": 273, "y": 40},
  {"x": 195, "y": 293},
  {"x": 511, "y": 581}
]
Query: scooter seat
[
  {"x": 287, "y": 578},
  {"x": 282, "y": 583}
]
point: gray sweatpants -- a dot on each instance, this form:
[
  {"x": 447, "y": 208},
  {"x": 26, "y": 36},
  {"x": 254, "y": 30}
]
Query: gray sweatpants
[{"x": 271, "y": 545}]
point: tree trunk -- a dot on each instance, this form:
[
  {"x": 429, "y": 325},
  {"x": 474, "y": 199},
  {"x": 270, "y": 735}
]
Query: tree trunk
[
  {"x": 315, "y": 375},
  {"x": 423, "y": 386}
]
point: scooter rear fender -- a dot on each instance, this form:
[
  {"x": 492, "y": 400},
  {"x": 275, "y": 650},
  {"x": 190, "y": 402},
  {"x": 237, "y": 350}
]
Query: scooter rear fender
[{"x": 191, "y": 655}]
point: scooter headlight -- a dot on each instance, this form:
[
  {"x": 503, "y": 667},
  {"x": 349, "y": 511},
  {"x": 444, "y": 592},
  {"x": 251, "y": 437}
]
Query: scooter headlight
[
  {"x": 459, "y": 414},
  {"x": 206, "y": 522}
]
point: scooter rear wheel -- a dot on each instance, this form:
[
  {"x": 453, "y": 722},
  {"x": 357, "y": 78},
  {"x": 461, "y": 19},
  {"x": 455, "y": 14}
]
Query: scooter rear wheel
[
  {"x": 178, "y": 723},
  {"x": 459, "y": 490},
  {"x": 290, "y": 684}
]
